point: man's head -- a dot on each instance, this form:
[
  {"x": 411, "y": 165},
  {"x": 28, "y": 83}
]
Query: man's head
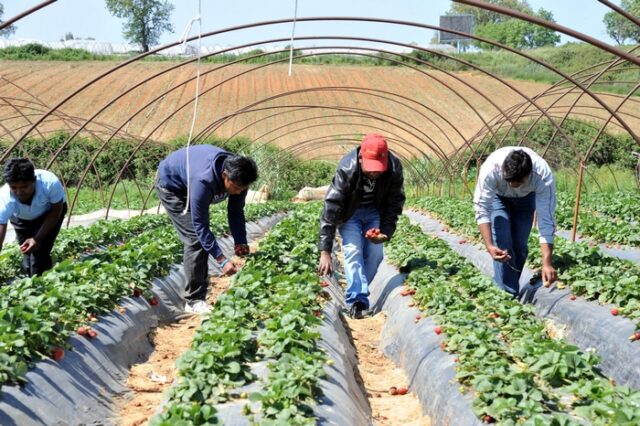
[
  {"x": 374, "y": 155},
  {"x": 20, "y": 175},
  {"x": 238, "y": 173},
  {"x": 516, "y": 168}
]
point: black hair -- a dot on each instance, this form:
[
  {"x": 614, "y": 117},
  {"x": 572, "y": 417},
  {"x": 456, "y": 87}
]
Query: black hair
[
  {"x": 517, "y": 166},
  {"x": 19, "y": 170},
  {"x": 241, "y": 170}
]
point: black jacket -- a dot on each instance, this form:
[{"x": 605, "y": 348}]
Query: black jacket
[{"x": 342, "y": 198}]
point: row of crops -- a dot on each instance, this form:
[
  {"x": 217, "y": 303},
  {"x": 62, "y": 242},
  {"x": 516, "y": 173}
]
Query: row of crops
[
  {"x": 583, "y": 268},
  {"x": 269, "y": 315},
  {"x": 39, "y": 314},
  {"x": 508, "y": 362}
]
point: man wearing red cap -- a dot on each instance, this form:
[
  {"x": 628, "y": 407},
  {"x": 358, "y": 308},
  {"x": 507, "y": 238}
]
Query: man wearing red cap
[{"x": 364, "y": 201}]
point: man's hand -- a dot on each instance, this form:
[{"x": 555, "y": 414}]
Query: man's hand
[
  {"x": 29, "y": 246},
  {"x": 375, "y": 236},
  {"x": 242, "y": 249},
  {"x": 498, "y": 254},
  {"x": 229, "y": 269},
  {"x": 549, "y": 275},
  {"x": 325, "y": 267}
]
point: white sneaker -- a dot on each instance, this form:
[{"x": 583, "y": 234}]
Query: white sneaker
[{"x": 197, "y": 307}]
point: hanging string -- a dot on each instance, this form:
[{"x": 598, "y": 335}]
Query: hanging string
[
  {"x": 185, "y": 36},
  {"x": 293, "y": 32}
]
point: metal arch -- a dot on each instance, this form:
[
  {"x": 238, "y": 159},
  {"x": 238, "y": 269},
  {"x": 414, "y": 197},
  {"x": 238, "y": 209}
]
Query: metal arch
[{"x": 26, "y": 13}]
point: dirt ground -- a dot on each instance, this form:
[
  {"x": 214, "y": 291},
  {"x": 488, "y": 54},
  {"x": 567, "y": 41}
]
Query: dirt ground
[
  {"x": 379, "y": 374},
  {"x": 149, "y": 380}
]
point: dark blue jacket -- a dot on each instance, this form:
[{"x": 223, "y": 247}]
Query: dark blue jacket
[{"x": 206, "y": 187}]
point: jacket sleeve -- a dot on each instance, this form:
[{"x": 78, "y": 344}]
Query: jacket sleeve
[
  {"x": 334, "y": 203},
  {"x": 235, "y": 216},
  {"x": 394, "y": 202},
  {"x": 199, "y": 199}
]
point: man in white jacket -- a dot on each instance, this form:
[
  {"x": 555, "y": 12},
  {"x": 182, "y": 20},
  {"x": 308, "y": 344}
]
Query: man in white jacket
[{"x": 515, "y": 182}]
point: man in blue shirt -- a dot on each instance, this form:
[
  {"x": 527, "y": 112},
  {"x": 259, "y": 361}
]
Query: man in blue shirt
[
  {"x": 35, "y": 203},
  {"x": 213, "y": 175}
]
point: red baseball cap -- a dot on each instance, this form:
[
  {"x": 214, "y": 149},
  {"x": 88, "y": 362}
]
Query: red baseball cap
[{"x": 375, "y": 153}]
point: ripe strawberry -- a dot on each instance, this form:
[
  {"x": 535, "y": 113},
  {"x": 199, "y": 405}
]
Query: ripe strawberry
[
  {"x": 615, "y": 311},
  {"x": 572, "y": 297},
  {"x": 418, "y": 317},
  {"x": 488, "y": 419},
  {"x": 82, "y": 330},
  {"x": 317, "y": 313},
  {"x": 438, "y": 330},
  {"x": 462, "y": 241},
  {"x": 443, "y": 347},
  {"x": 57, "y": 354},
  {"x": 494, "y": 315},
  {"x": 92, "y": 333},
  {"x": 137, "y": 292},
  {"x": 455, "y": 360},
  {"x": 153, "y": 301},
  {"x": 402, "y": 391},
  {"x": 324, "y": 284},
  {"x": 393, "y": 390},
  {"x": 635, "y": 336}
]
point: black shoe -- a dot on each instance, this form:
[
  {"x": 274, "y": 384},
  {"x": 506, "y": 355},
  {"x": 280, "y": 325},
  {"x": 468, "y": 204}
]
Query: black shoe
[{"x": 357, "y": 310}]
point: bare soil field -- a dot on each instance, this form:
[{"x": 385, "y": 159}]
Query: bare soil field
[{"x": 419, "y": 110}]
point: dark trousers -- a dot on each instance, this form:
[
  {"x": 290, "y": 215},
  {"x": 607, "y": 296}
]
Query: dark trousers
[
  {"x": 195, "y": 260},
  {"x": 38, "y": 261}
]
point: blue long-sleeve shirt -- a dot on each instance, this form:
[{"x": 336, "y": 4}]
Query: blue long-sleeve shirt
[{"x": 206, "y": 187}]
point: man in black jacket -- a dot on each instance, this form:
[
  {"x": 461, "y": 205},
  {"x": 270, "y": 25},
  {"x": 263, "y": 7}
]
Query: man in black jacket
[{"x": 365, "y": 196}]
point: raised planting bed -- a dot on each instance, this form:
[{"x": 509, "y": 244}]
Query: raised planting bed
[
  {"x": 273, "y": 349},
  {"x": 510, "y": 365},
  {"x": 584, "y": 322}
]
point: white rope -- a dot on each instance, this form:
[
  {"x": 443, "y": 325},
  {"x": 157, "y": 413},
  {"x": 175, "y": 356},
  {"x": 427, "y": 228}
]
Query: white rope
[
  {"x": 293, "y": 32},
  {"x": 183, "y": 39}
]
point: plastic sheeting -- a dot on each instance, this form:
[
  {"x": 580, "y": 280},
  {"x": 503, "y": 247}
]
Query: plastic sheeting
[
  {"x": 415, "y": 347},
  {"x": 79, "y": 390},
  {"x": 586, "y": 324}
]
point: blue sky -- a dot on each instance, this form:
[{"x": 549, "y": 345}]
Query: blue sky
[{"x": 89, "y": 18}]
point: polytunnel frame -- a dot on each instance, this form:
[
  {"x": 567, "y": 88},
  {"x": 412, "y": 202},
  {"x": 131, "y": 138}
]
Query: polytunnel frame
[{"x": 469, "y": 2}]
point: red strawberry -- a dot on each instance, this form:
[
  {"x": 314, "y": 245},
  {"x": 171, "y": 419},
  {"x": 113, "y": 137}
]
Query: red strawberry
[
  {"x": 443, "y": 347},
  {"x": 488, "y": 419},
  {"x": 137, "y": 292},
  {"x": 463, "y": 241},
  {"x": 92, "y": 333},
  {"x": 57, "y": 354},
  {"x": 438, "y": 330},
  {"x": 402, "y": 391},
  {"x": 317, "y": 314},
  {"x": 82, "y": 330},
  {"x": 324, "y": 284},
  {"x": 153, "y": 301},
  {"x": 455, "y": 360},
  {"x": 614, "y": 311},
  {"x": 572, "y": 297},
  {"x": 393, "y": 390},
  {"x": 418, "y": 317},
  {"x": 635, "y": 336},
  {"x": 494, "y": 315}
]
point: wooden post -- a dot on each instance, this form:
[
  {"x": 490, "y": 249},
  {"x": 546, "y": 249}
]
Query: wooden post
[
  {"x": 576, "y": 209},
  {"x": 464, "y": 179}
]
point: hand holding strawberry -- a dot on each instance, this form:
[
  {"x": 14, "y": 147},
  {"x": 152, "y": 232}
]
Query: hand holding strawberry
[
  {"x": 375, "y": 236},
  {"x": 242, "y": 249}
]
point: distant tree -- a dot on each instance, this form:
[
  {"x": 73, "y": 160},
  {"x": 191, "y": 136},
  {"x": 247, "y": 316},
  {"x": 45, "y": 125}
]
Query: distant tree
[
  {"x": 507, "y": 30},
  {"x": 68, "y": 36},
  {"x": 620, "y": 28},
  {"x": 145, "y": 20},
  {"x": 6, "y": 32}
]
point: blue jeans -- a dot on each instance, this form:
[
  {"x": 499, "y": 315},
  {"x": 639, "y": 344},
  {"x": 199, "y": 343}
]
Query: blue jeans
[
  {"x": 361, "y": 257},
  {"x": 511, "y": 222}
]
